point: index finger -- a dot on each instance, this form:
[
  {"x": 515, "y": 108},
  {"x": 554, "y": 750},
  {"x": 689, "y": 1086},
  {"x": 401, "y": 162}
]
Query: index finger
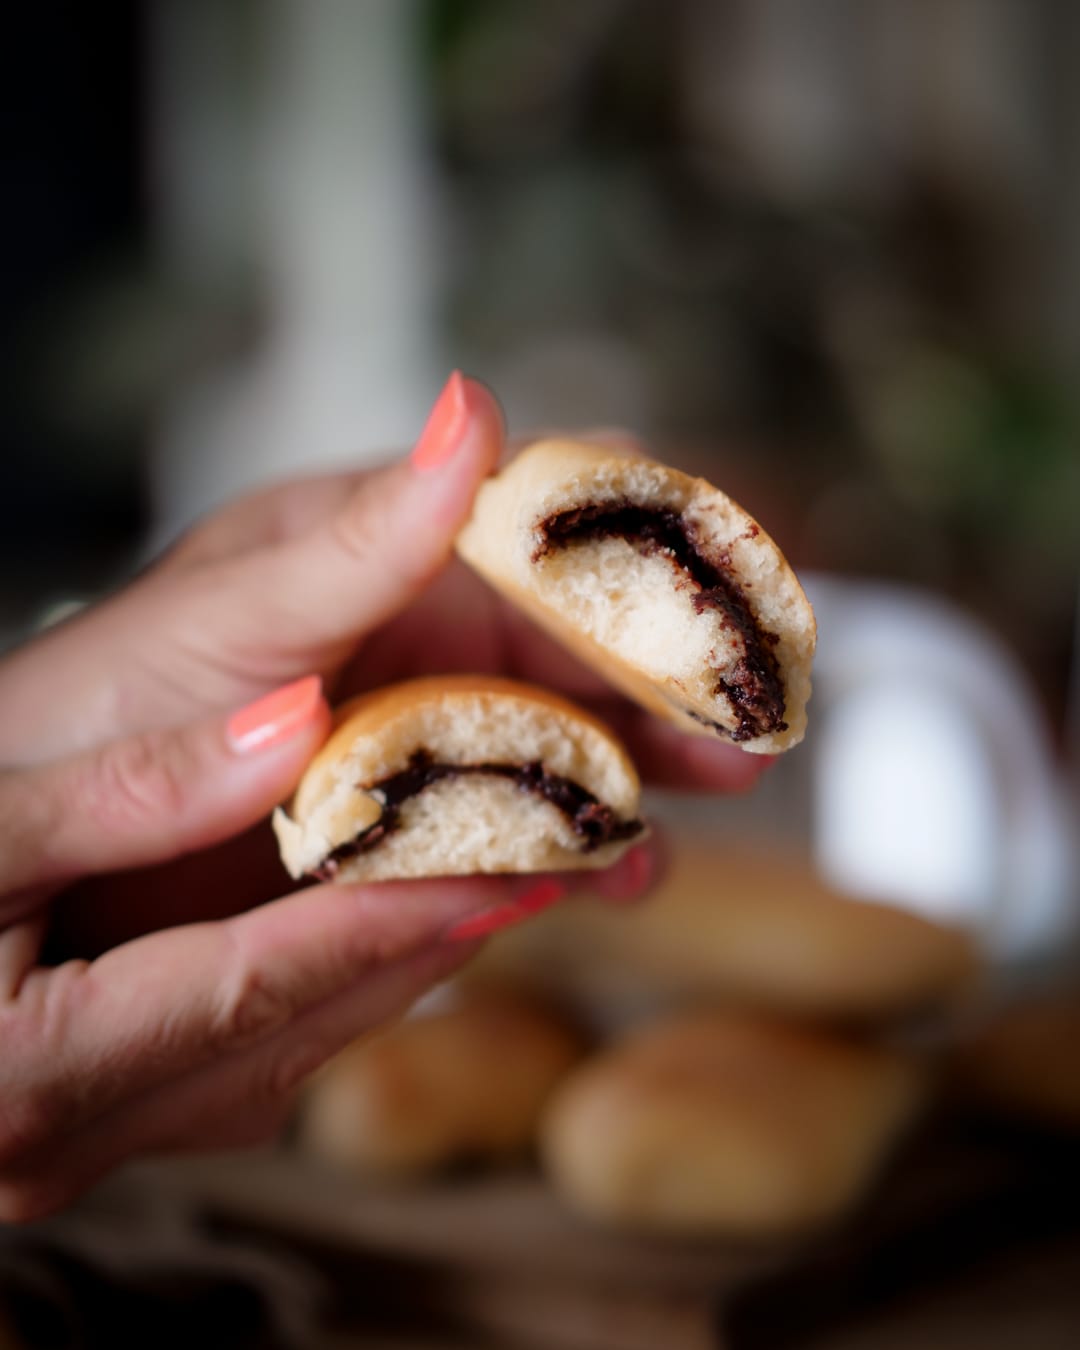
[{"x": 160, "y": 1006}]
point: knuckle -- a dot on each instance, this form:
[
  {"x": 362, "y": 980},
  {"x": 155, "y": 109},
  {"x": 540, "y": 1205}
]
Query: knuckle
[
  {"x": 366, "y": 528},
  {"x": 364, "y": 531},
  {"x": 356, "y": 530},
  {"x": 29, "y": 818},
  {"x": 39, "y": 1098},
  {"x": 29, "y": 1118},
  {"x": 133, "y": 781},
  {"x": 288, "y": 1069},
  {"x": 29, "y": 1123},
  {"x": 252, "y": 1006}
]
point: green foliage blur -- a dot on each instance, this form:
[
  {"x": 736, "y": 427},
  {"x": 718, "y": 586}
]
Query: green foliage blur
[{"x": 865, "y": 345}]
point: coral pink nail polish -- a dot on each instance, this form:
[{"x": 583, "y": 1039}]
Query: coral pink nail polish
[
  {"x": 274, "y": 717},
  {"x": 637, "y": 871},
  {"x": 541, "y": 896},
  {"x": 444, "y": 428}
]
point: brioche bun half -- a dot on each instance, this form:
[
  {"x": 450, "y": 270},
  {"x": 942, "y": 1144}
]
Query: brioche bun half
[
  {"x": 658, "y": 580},
  {"x": 452, "y": 775}
]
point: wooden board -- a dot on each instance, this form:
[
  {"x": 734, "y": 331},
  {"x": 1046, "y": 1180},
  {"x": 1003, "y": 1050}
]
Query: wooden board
[
  {"x": 496, "y": 1260},
  {"x": 506, "y": 1223}
]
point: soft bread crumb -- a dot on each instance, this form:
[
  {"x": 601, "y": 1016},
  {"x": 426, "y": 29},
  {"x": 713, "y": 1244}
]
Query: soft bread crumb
[
  {"x": 626, "y": 600},
  {"x": 474, "y": 823},
  {"x": 458, "y": 826}
]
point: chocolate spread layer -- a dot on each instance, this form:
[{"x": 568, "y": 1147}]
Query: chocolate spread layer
[
  {"x": 593, "y": 822},
  {"x": 754, "y": 689}
]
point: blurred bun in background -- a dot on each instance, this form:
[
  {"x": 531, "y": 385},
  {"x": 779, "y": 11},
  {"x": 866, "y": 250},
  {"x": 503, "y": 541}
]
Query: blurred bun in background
[
  {"x": 463, "y": 1084},
  {"x": 718, "y": 1122},
  {"x": 752, "y": 928}
]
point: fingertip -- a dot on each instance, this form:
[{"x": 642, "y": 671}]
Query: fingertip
[
  {"x": 634, "y": 875},
  {"x": 461, "y": 445},
  {"x": 484, "y": 438},
  {"x": 278, "y": 716},
  {"x": 670, "y": 757},
  {"x": 269, "y": 745},
  {"x": 719, "y": 767},
  {"x": 465, "y": 426},
  {"x": 484, "y": 406},
  {"x": 530, "y": 899}
]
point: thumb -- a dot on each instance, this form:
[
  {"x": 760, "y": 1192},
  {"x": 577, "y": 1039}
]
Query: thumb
[
  {"x": 395, "y": 530},
  {"x": 151, "y": 797}
]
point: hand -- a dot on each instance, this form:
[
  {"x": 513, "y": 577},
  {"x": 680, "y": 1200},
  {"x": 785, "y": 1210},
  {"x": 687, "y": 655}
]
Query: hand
[
  {"x": 328, "y": 575},
  {"x": 197, "y": 1036},
  {"x": 129, "y": 804}
]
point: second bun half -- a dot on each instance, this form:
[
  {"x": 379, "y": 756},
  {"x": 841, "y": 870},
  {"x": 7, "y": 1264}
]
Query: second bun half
[
  {"x": 658, "y": 580},
  {"x": 452, "y": 775}
]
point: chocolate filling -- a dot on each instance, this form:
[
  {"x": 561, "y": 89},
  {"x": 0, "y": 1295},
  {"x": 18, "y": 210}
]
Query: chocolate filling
[
  {"x": 753, "y": 689},
  {"x": 593, "y": 823}
]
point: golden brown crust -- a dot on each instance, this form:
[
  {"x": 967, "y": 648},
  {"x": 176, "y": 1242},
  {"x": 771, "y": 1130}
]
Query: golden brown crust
[
  {"x": 715, "y": 1122},
  {"x": 424, "y": 1096},
  {"x": 369, "y": 712},
  {"x": 462, "y": 822},
  {"x": 504, "y": 542}
]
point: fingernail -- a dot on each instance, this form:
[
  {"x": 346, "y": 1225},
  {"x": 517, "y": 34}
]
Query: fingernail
[
  {"x": 539, "y": 897},
  {"x": 445, "y": 427},
  {"x": 628, "y": 880},
  {"x": 275, "y": 717}
]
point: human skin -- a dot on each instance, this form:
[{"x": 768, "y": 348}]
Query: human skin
[{"x": 162, "y": 985}]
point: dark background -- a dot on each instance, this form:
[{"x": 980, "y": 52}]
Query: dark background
[
  {"x": 72, "y": 89},
  {"x": 831, "y": 261}
]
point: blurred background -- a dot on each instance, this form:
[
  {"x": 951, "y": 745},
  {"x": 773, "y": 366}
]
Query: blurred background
[
  {"x": 830, "y": 253},
  {"x": 826, "y": 254}
]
